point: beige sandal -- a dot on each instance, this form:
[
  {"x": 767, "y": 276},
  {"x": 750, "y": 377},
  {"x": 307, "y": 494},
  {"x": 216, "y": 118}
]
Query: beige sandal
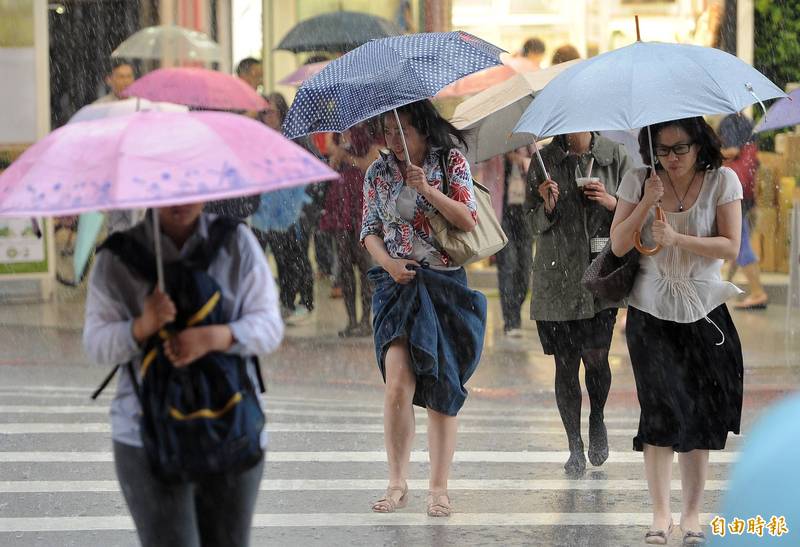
[
  {"x": 387, "y": 504},
  {"x": 439, "y": 504}
]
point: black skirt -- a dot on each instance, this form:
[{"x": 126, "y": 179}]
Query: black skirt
[
  {"x": 688, "y": 380},
  {"x": 559, "y": 337}
]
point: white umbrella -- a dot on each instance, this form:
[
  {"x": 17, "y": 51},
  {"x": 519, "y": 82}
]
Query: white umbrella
[
  {"x": 170, "y": 41},
  {"x": 96, "y": 111},
  {"x": 490, "y": 116}
]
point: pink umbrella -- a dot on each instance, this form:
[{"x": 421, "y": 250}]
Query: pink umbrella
[
  {"x": 303, "y": 73},
  {"x": 153, "y": 159},
  {"x": 484, "y": 79},
  {"x": 197, "y": 87}
]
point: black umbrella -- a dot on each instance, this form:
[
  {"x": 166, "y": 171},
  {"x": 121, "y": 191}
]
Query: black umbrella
[{"x": 338, "y": 31}]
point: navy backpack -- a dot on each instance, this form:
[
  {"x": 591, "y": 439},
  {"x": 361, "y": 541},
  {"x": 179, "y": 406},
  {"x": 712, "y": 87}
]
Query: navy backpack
[{"x": 204, "y": 418}]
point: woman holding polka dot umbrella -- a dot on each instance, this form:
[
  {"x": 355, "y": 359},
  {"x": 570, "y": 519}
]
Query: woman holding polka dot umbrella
[{"x": 428, "y": 325}]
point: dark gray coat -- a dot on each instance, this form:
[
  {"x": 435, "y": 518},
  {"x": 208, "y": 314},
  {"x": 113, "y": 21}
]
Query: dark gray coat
[{"x": 562, "y": 248}]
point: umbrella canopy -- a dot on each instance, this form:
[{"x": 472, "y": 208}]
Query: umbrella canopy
[
  {"x": 484, "y": 79},
  {"x": 337, "y": 31},
  {"x": 90, "y": 224},
  {"x": 784, "y": 113},
  {"x": 382, "y": 75},
  {"x": 169, "y": 41},
  {"x": 197, "y": 87},
  {"x": 303, "y": 73},
  {"x": 153, "y": 159},
  {"x": 97, "y": 111},
  {"x": 642, "y": 84},
  {"x": 490, "y": 116}
]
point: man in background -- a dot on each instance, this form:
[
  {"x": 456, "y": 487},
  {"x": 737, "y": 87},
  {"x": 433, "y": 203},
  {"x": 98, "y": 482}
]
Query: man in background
[
  {"x": 118, "y": 79},
  {"x": 533, "y": 50},
  {"x": 251, "y": 71}
]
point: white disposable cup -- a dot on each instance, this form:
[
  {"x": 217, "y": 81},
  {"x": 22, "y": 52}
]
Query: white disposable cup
[{"x": 583, "y": 181}]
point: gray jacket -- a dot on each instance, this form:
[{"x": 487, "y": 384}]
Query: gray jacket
[{"x": 563, "y": 238}]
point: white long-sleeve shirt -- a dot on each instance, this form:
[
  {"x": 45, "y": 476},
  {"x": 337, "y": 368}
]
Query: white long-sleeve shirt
[{"x": 115, "y": 298}]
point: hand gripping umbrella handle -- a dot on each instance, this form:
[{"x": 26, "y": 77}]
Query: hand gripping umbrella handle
[{"x": 637, "y": 236}]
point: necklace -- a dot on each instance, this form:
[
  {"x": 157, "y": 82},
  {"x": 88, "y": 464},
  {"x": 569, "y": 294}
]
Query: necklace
[{"x": 681, "y": 200}]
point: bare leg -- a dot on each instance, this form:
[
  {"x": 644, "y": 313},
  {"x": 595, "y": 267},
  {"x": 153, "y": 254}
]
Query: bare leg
[
  {"x": 442, "y": 431},
  {"x": 694, "y": 468},
  {"x": 658, "y": 469},
  {"x": 398, "y": 417},
  {"x": 757, "y": 294}
]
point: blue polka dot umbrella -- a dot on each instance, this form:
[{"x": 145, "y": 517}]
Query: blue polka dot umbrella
[{"x": 382, "y": 75}]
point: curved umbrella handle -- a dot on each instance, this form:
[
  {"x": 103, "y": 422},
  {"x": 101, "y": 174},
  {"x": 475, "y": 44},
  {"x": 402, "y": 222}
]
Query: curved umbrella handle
[{"x": 637, "y": 236}]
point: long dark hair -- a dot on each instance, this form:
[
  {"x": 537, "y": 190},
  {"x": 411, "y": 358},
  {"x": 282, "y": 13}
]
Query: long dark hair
[
  {"x": 700, "y": 133},
  {"x": 427, "y": 120}
]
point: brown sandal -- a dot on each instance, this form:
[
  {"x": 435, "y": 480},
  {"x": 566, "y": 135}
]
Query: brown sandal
[
  {"x": 439, "y": 504},
  {"x": 387, "y": 503}
]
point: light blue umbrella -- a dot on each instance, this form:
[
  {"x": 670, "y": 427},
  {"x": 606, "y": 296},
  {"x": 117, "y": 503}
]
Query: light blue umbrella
[
  {"x": 89, "y": 226},
  {"x": 280, "y": 209},
  {"x": 784, "y": 113},
  {"x": 766, "y": 479},
  {"x": 642, "y": 84}
]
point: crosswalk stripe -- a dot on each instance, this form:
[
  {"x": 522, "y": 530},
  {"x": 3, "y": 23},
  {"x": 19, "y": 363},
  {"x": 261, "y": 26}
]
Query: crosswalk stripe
[
  {"x": 33, "y": 428},
  {"x": 103, "y": 409},
  {"x": 328, "y": 520},
  {"x": 297, "y": 485},
  {"x": 467, "y": 456}
]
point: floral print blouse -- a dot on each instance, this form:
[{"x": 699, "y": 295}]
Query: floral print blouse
[{"x": 404, "y": 237}]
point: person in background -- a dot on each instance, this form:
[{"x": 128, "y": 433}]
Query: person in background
[
  {"x": 515, "y": 259},
  {"x": 533, "y": 50},
  {"x": 290, "y": 246},
  {"x": 118, "y": 79},
  {"x": 565, "y": 53},
  {"x": 740, "y": 151},
  {"x": 251, "y": 72},
  {"x": 352, "y": 154},
  {"x": 571, "y": 222}
]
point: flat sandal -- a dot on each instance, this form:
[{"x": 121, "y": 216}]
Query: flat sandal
[
  {"x": 387, "y": 503},
  {"x": 659, "y": 537},
  {"x": 436, "y": 507}
]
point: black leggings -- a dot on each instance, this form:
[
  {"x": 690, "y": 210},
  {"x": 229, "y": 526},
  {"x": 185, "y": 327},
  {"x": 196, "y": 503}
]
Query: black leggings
[{"x": 597, "y": 376}]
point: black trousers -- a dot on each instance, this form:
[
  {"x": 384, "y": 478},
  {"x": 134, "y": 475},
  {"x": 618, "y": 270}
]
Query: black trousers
[
  {"x": 514, "y": 264},
  {"x": 295, "y": 274},
  {"x": 214, "y": 512}
]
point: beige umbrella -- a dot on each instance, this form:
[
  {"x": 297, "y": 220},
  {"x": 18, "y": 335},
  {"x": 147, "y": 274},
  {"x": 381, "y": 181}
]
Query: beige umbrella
[{"x": 490, "y": 116}]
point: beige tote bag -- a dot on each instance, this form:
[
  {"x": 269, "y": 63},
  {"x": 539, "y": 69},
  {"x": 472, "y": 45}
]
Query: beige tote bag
[{"x": 466, "y": 247}]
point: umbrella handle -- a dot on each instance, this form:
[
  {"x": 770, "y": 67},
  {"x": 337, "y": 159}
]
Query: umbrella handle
[
  {"x": 402, "y": 136},
  {"x": 637, "y": 236},
  {"x": 159, "y": 254}
]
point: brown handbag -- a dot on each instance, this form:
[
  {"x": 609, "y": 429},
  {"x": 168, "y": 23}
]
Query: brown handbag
[
  {"x": 609, "y": 276},
  {"x": 466, "y": 247}
]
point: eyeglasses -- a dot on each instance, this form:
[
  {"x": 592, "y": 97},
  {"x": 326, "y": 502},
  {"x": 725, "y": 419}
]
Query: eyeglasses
[{"x": 680, "y": 149}]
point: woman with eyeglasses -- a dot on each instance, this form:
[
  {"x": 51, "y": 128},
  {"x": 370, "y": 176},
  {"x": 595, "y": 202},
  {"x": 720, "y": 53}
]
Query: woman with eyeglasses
[{"x": 684, "y": 348}]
